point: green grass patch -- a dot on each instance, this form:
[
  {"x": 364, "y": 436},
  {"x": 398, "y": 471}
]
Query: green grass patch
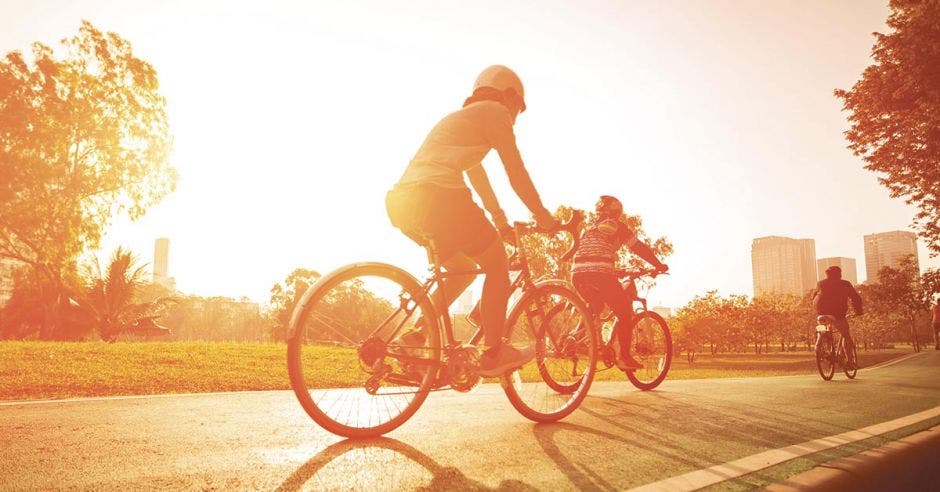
[{"x": 43, "y": 370}]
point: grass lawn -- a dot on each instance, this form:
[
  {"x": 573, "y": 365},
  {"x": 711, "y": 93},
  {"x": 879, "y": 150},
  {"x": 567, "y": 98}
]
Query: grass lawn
[{"x": 41, "y": 370}]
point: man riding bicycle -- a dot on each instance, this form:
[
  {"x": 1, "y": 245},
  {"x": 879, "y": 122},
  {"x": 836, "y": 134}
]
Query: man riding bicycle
[
  {"x": 831, "y": 298},
  {"x": 431, "y": 203},
  {"x": 595, "y": 278}
]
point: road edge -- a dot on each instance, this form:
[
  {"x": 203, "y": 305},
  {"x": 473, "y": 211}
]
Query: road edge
[{"x": 908, "y": 463}]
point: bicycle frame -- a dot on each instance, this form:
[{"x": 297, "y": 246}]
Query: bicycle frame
[{"x": 522, "y": 281}]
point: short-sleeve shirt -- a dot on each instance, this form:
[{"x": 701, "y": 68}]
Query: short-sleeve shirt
[
  {"x": 600, "y": 246},
  {"x": 460, "y": 141}
]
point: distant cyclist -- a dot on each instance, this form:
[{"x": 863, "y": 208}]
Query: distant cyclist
[
  {"x": 595, "y": 277},
  {"x": 831, "y": 297},
  {"x": 432, "y": 202}
]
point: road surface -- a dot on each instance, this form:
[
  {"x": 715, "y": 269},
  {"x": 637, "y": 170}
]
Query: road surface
[{"x": 619, "y": 439}]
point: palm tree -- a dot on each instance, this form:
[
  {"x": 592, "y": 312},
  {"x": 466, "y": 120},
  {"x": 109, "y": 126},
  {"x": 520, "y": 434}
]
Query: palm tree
[{"x": 109, "y": 299}]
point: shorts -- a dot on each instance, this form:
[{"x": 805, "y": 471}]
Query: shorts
[
  {"x": 447, "y": 216},
  {"x": 600, "y": 289}
]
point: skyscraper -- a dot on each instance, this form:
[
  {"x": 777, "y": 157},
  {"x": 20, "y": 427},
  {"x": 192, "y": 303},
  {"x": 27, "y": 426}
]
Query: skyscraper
[
  {"x": 886, "y": 249},
  {"x": 161, "y": 263},
  {"x": 847, "y": 265},
  {"x": 783, "y": 265}
]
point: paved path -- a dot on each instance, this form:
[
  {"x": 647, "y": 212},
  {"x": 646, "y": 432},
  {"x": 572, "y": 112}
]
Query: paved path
[{"x": 620, "y": 438}]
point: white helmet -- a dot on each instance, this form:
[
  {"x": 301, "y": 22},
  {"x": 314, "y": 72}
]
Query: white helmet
[{"x": 502, "y": 79}]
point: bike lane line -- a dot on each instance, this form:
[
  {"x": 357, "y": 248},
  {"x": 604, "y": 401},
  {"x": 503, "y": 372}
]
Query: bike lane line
[
  {"x": 892, "y": 361},
  {"x": 719, "y": 473}
]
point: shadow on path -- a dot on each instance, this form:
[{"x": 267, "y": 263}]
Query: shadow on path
[{"x": 383, "y": 463}]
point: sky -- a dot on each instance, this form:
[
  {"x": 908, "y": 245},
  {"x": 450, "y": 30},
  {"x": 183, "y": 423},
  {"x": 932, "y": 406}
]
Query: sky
[{"x": 714, "y": 121}]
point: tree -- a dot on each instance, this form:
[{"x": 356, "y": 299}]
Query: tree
[
  {"x": 895, "y": 111},
  {"x": 900, "y": 292},
  {"x": 108, "y": 301},
  {"x": 84, "y": 137},
  {"x": 284, "y": 295}
]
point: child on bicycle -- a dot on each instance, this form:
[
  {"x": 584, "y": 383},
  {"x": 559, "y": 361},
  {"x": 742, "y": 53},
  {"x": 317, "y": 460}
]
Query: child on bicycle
[
  {"x": 431, "y": 203},
  {"x": 596, "y": 278}
]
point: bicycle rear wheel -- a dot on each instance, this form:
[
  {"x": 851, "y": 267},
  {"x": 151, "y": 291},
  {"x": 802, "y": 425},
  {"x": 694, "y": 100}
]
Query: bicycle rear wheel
[
  {"x": 552, "y": 318},
  {"x": 850, "y": 373},
  {"x": 357, "y": 363},
  {"x": 652, "y": 347},
  {"x": 825, "y": 357}
]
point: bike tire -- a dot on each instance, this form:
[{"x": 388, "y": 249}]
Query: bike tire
[
  {"x": 825, "y": 357},
  {"x": 851, "y": 373},
  {"x": 527, "y": 389},
  {"x": 327, "y": 354},
  {"x": 657, "y": 359}
]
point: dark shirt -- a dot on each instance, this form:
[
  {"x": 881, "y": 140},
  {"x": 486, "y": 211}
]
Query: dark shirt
[{"x": 832, "y": 296}]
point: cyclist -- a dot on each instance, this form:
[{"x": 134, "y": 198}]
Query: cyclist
[
  {"x": 595, "y": 277},
  {"x": 432, "y": 203},
  {"x": 831, "y": 297}
]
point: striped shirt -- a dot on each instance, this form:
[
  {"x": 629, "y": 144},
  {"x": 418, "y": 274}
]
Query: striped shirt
[{"x": 600, "y": 245}]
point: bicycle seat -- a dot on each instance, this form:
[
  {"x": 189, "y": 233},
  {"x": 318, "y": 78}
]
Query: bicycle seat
[{"x": 825, "y": 319}]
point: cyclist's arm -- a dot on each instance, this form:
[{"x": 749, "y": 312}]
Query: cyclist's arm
[
  {"x": 817, "y": 296},
  {"x": 644, "y": 251},
  {"x": 628, "y": 238},
  {"x": 855, "y": 298},
  {"x": 481, "y": 184},
  {"x": 502, "y": 138}
]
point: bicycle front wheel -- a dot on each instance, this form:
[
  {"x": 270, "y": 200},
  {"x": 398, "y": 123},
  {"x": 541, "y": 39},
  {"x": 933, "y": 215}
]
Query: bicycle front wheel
[
  {"x": 825, "y": 357},
  {"x": 358, "y": 362},
  {"x": 652, "y": 347},
  {"x": 554, "y": 320}
]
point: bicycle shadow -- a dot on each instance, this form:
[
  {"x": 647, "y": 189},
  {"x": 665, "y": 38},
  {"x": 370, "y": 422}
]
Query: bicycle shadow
[
  {"x": 701, "y": 434},
  {"x": 383, "y": 463}
]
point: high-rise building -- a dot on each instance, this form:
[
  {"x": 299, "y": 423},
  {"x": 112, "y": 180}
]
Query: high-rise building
[
  {"x": 847, "y": 265},
  {"x": 783, "y": 265},
  {"x": 886, "y": 249},
  {"x": 161, "y": 263},
  {"x": 808, "y": 263}
]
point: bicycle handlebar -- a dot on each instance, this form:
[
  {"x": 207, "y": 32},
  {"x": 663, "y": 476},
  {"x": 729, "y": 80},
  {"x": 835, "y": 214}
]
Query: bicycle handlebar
[
  {"x": 650, "y": 272},
  {"x": 572, "y": 226}
]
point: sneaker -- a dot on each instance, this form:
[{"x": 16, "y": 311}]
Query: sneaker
[
  {"x": 627, "y": 363},
  {"x": 500, "y": 360}
]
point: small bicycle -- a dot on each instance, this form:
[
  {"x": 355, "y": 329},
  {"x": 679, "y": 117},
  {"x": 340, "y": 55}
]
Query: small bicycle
[
  {"x": 652, "y": 342},
  {"x": 358, "y": 372},
  {"x": 830, "y": 352}
]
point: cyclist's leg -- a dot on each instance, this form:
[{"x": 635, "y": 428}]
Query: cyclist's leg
[
  {"x": 495, "y": 295},
  {"x": 450, "y": 288},
  {"x": 585, "y": 287},
  {"x": 842, "y": 325}
]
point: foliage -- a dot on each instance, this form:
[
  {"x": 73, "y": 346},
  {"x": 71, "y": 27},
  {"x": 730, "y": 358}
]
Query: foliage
[
  {"x": 108, "y": 300},
  {"x": 284, "y": 295},
  {"x": 895, "y": 111},
  {"x": 900, "y": 293},
  {"x": 84, "y": 137}
]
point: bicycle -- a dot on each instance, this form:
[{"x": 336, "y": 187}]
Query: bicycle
[
  {"x": 367, "y": 344},
  {"x": 829, "y": 352},
  {"x": 652, "y": 341}
]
